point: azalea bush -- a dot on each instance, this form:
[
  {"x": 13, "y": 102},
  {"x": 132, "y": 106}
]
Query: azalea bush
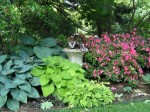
[{"x": 117, "y": 57}]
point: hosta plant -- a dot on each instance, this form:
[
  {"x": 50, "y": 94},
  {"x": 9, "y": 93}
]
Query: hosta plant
[
  {"x": 16, "y": 82},
  {"x": 41, "y": 48},
  {"x": 89, "y": 94},
  {"x": 58, "y": 75},
  {"x": 118, "y": 57}
]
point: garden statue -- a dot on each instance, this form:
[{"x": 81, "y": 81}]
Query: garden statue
[{"x": 76, "y": 48}]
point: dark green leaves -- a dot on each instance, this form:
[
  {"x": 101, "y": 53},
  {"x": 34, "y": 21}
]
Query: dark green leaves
[
  {"x": 27, "y": 40},
  {"x": 48, "y": 42}
]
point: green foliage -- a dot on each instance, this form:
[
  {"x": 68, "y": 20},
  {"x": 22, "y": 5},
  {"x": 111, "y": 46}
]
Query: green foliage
[
  {"x": 16, "y": 82},
  {"x": 146, "y": 78},
  {"x": 46, "y": 105},
  {"x": 66, "y": 81},
  {"x": 89, "y": 94},
  {"x": 58, "y": 76},
  {"x": 41, "y": 48}
]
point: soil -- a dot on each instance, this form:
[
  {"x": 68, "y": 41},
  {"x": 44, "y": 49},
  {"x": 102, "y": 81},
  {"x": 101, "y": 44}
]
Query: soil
[{"x": 141, "y": 92}]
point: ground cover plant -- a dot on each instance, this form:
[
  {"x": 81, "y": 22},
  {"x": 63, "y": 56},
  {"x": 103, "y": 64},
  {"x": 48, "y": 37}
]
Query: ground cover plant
[{"x": 118, "y": 57}]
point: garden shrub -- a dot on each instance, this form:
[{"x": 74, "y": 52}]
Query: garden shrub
[
  {"x": 16, "y": 82},
  {"x": 117, "y": 57},
  {"x": 66, "y": 81}
]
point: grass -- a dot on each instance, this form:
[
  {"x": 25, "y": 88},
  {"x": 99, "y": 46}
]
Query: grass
[{"x": 138, "y": 106}]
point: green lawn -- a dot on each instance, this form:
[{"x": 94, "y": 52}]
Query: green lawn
[{"x": 121, "y": 107}]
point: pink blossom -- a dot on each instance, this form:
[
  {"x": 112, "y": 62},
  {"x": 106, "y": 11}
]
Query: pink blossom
[
  {"x": 85, "y": 65},
  {"x": 140, "y": 71},
  {"x": 113, "y": 88}
]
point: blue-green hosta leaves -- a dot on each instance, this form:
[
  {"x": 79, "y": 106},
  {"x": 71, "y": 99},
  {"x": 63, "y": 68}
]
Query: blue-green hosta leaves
[
  {"x": 47, "y": 89},
  {"x": 3, "y": 78},
  {"x": 23, "y": 55},
  {"x": 37, "y": 71},
  {"x": 14, "y": 93},
  {"x": 3, "y": 58},
  {"x": 13, "y": 104},
  {"x": 24, "y": 68},
  {"x": 3, "y": 90},
  {"x": 21, "y": 76},
  {"x": 27, "y": 40},
  {"x": 7, "y": 68},
  {"x": 25, "y": 87},
  {"x": 34, "y": 93},
  {"x": 3, "y": 100},
  {"x": 42, "y": 52},
  {"x": 48, "y": 42},
  {"x": 9, "y": 84},
  {"x": 18, "y": 81},
  {"x": 0, "y": 67},
  {"x": 22, "y": 96},
  {"x": 35, "y": 81}
]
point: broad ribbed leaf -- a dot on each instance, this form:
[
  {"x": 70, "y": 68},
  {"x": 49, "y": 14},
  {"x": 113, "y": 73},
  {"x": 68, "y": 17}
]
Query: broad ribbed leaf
[
  {"x": 9, "y": 84},
  {"x": 24, "y": 68},
  {"x": 18, "y": 81},
  {"x": 21, "y": 76},
  {"x": 44, "y": 80},
  {"x": 27, "y": 40},
  {"x": 22, "y": 96},
  {"x": 0, "y": 67},
  {"x": 66, "y": 75},
  {"x": 14, "y": 93},
  {"x": 42, "y": 52},
  {"x": 36, "y": 71},
  {"x": 8, "y": 65},
  {"x": 48, "y": 42},
  {"x": 13, "y": 104},
  {"x": 2, "y": 58},
  {"x": 34, "y": 93},
  {"x": 56, "y": 78},
  {"x": 25, "y": 87},
  {"x": 23, "y": 55},
  {"x": 18, "y": 63},
  {"x": 3, "y": 100},
  {"x": 35, "y": 81},
  {"x": 47, "y": 90},
  {"x": 3, "y": 90}
]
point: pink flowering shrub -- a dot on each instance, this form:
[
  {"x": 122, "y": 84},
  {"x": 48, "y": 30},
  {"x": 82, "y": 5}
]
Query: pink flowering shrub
[{"x": 118, "y": 57}]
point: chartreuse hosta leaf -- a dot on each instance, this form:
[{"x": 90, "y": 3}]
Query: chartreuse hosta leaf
[
  {"x": 47, "y": 89},
  {"x": 44, "y": 80},
  {"x": 37, "y": 71}
]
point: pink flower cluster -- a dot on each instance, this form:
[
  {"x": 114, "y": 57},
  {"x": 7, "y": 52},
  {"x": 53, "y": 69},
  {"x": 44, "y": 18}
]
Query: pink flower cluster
[{"x": 119, "y": 56}]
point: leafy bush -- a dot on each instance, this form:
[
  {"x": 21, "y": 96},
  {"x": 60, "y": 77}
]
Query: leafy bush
[
  {"x": 41, "y": 48},
  {"x": 89, "y": 94},
  {"x": 66, "y": 81},
  {"x": 58, "y": 76},
  {"x": 118, "y": 57},
  {"x": 16, "y": 82},
  {"x": 146, "y": 78}
]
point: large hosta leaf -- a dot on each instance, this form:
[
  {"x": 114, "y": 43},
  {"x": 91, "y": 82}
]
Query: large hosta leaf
[
  {"x": 56, "y": 78},
  {"x": 34, "y": 93},
  {"x": 21, "y": 76},
  {"x": 36, "y": 71},
  {"x": 13, "y": 104},
  {"x": 14, "y": 93},
  {"x": 47, "y": 90},
  {"x": 25, "y": 87},
  {"x": 48, "y": 42},
  {"x": 3, "y": 78},
  {"x": 42, "y": 52},
  {"x": 3, "y": 90},
  {"x": 18, "y": 81},
  {"x": 22, "y": 96},
  {"x": 2, "y": 58},
  {"x": 66, "y": 75},
  {"x": 3, "y": 100},
  {"x": 27, "y": 40},
  {"x": 35, "y": 81},
  {"x": 23, "y": 55},
  {"x": 44, "y": 80},
  {"x": 9, "y": 84},
  {"x": 24, "y": 68}
]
